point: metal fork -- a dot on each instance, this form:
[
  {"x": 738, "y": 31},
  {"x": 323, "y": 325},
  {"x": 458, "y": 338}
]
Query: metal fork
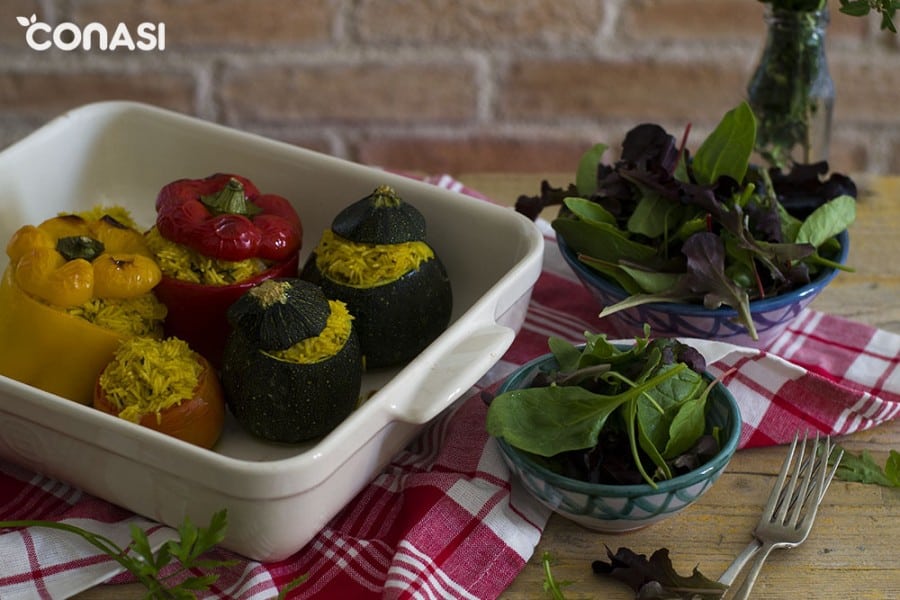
[
  {"x": 790, "y": 511},
  {"x": 755, "y": 544}
]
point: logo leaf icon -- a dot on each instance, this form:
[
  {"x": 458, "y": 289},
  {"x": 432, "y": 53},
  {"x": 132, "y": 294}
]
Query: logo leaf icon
[{"x": 23, "y": 21}]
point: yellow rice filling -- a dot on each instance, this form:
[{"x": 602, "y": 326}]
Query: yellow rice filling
[
  {"x": 119, "y": 213},
  {"x": 182, "y": 263},
  {"x": 368, "y": 265},
  {"x": 142, "y": 315},
  {"x": 326, "y": 344},
  {"x": 148, "y": 376}
]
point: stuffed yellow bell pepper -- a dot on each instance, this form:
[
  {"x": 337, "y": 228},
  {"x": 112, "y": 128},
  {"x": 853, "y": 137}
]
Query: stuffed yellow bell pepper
[{"x": 75, "y": 287}]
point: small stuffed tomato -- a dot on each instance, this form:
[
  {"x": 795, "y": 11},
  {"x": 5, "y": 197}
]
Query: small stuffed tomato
[{"x": 165, "y": 386}]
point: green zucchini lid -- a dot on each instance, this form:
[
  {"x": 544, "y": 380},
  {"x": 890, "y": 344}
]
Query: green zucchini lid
[
  {"x": 278, "y": 313},
  {"x": 382, "y": 217}
]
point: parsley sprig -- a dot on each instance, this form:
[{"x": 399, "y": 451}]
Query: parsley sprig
[
  {"x": 147, "y": 566},
  {"x": 861, "y": 8},
  {"x": 552, "y": 587},
  {"x": 862, "y": 468},
  {"x": 854, "y": 8}
]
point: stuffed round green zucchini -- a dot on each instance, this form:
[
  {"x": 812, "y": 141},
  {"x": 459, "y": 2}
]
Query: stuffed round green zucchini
[
  {"x": 292, "y": 367},
  {"x": 376, "y": 260}
]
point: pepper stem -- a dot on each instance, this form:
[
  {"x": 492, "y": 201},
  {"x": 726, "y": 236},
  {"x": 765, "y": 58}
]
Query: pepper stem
[
  {"x": 231, "y": 199},
  {"x": 79, "y": 246}
]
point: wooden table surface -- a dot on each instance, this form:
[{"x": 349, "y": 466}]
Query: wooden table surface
[{"x": 852, "y": 550}]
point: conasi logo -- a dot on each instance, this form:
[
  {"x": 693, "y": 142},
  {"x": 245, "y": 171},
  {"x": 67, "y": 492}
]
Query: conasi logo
[{"x": 69, "y": 36}]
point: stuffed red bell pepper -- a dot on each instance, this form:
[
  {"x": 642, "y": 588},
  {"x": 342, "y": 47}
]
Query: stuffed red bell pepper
[{"x": 215, "y": 238}]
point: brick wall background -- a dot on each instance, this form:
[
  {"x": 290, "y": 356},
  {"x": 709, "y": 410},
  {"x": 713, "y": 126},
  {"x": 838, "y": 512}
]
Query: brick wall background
[{"x": 446, "y": 86}]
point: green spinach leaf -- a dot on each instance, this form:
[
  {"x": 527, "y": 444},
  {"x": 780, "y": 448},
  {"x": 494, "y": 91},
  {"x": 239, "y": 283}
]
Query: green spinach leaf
[
  {"x": 549, "y": 420},
  {"x": 601, "y": 240},
  {"x": 726, "y": 152},
  {"x": 654, "y": 216},
  {"x": 588, "y": 211},
  {"x": 827, "y": 221},
  {"x": 586, "y": 175},
  {"x": 649, "y": 280}
]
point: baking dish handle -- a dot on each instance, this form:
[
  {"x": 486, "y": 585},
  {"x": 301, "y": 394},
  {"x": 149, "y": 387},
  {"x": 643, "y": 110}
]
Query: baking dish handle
[{"x": 454, "y": 372}]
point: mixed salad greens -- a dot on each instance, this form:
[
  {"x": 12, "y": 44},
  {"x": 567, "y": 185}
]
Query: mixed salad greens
[
  {"x": 711, "y": 228},
  {"x": 610, "y": 414}
]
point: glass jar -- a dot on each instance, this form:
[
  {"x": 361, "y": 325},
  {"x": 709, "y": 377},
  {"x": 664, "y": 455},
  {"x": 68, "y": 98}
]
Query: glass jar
[{"x": 791, "y": 91}]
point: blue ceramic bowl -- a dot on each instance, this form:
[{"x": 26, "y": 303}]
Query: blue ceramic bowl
[
  {"x": 619, "y": 508},
  {"x": 771, "y": 316}
]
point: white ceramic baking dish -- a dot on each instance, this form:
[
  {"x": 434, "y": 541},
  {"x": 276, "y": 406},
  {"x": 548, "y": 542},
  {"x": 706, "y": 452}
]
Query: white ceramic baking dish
[{"x": 278, "y": 497}]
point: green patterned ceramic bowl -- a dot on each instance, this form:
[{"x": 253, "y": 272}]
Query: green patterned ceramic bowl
[{"x": 619, "y": 508}]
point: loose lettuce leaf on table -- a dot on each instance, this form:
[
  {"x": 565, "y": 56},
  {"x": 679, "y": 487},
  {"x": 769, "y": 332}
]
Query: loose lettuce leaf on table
[{"x": 656, "y": 578}]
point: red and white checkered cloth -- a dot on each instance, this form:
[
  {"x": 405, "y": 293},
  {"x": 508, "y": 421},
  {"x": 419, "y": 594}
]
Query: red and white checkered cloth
[{"x": 443, "y": 520}]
